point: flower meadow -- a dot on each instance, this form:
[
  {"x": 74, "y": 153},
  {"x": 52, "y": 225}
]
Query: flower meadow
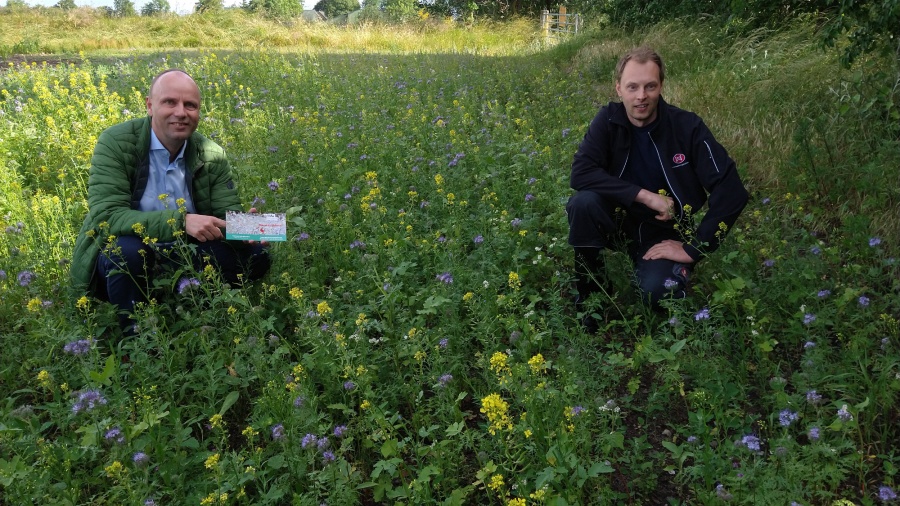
[{"x": 415, "y": 341}]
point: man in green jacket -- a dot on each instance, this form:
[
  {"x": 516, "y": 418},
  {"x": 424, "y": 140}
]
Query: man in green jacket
[{"x": 153, "y": 180}]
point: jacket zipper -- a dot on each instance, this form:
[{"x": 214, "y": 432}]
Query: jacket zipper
[{"x": 663, "y": 167}]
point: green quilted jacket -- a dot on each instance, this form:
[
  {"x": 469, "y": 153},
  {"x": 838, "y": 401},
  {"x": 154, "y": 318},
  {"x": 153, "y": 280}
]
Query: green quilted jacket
[{"x": 119, "y": 172}]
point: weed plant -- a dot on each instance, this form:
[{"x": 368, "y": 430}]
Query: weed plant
[{"x": 415, "y": 342}]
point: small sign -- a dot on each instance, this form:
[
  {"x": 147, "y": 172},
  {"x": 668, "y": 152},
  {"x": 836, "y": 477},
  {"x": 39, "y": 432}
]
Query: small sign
[{"x": 255, "y": 226}]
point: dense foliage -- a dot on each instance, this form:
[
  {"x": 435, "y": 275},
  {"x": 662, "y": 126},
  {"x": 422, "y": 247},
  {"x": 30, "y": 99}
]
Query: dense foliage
[
  {"x": 333, "y": 8},
  {"x": 416, "y": 341}
]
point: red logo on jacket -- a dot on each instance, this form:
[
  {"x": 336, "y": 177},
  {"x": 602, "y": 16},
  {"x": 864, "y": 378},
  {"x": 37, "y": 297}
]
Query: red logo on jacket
[{"x": 679, "y": 158}]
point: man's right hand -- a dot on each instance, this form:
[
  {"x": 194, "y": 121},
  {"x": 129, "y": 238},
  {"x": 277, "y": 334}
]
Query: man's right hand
[
  {"x": 664, "y": 206},
  {"x": 203, "y": 228}
]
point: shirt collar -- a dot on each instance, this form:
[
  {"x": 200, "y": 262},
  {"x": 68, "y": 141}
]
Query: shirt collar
[{"x": 156, "y": 144}]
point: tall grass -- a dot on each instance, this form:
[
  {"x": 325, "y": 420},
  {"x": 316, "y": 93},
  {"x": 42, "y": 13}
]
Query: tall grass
[{"x": 53, "y": 31}]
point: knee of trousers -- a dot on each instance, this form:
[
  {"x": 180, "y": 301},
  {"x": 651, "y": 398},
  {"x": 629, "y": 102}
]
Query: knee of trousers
[
  {"x": 653, "y": 289},
  {"x": 590, "y": 219},
  {"x": 129, "y": 253}
]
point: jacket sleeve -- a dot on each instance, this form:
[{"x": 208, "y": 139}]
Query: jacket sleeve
[
  {"x": 113, "y": 166},
  {"x": 727, "y": 196},
  {"x": 223, "y": 193},
  {"x": 590, "y": 168}
]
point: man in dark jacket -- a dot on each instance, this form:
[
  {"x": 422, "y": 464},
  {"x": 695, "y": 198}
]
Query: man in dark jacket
[
  {"x": 643, "y": 171},
  {"x": 152, "y": 181}
]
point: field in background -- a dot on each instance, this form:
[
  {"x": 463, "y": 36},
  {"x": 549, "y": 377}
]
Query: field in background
[{"x": 415, "y": 341}]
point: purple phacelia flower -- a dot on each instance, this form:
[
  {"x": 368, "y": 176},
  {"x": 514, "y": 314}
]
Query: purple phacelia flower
[
  {"x": 444, "y": 380},
  {"x": 445, "y": 277},
  {"x": 25, "y": 278},
  {"x": 115, "y": 435},
  {"x": 886, "y": 494},
  {"x": 273, "y": 185},
  {"x": 787, "y": 417},
  {"x": 808, "y": 318},
  {"x": 751, "y": 442},
  {"x": 308, "y": 440},
  {"x": 703, "y": 314},
  {"x": 278, "y": 432},
  {"x": 813, "y": 433},
  {"x": 813, "y": 397},
  {"x": 863, "y": 301},
  {"x": 186, "y": 284},
  {"x": 339, "y": 431},
  {"x": 844, "y": 414},
  {"x": 80, "y": 347},
  {"x": 874, "y": 241},
  {"x": 140, "y": 459},
  {"x": 87, "y": 400}
]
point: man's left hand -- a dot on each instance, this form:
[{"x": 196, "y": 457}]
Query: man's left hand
[{"x": 668, "y": 250}]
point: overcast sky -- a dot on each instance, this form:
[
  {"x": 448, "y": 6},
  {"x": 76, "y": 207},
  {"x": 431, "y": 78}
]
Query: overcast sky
[{"x": 179, "y": 6}]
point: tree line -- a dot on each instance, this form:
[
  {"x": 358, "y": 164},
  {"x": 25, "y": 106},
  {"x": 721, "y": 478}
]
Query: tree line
[{"x": 858, "y": 26}]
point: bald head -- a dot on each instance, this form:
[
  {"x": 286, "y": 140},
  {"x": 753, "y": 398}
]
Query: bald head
[{"x": 174, "y": 108}]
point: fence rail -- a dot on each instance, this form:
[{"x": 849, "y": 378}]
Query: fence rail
[{"x": 559, "y": 24}]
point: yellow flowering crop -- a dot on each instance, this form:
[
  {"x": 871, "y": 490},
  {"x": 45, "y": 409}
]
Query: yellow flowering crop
[
  {"x": 323, "y": 308},
  {"x": 296, "y": 293},
  {"x": 498, "y": 362},
  {"x": 536, "y": 363},
  {"x": 495, "y": 408},
  {"x": 496, "y": 482},
  {"x": 34, "y": 305},
  {"x": 212, "y": 461},
  {"x": 514, "y": 281},
  {"x": 115, "y": 470},
  {"x": 216, "y": 421},
  {"x": 44, "y": 379}
]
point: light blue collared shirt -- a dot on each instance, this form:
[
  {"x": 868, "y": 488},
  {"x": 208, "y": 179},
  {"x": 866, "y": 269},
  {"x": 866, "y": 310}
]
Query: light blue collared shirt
[{"x": 165, "y": 178}]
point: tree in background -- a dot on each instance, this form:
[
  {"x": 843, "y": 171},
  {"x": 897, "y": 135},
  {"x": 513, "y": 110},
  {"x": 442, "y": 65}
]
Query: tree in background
[
  {"x": 333, "y": 8},
  {"x": 208, "y": 6},
  {"x": 16, "y": 5},
  {"x": 870, "y": 25},
  {"x": 401, "y": 10},
  {"x": 155, "y": 8},
  {"x": 123, "y": 8},
  {"x": 275, "y": 8},
  {"x": 65, "y": 5}
]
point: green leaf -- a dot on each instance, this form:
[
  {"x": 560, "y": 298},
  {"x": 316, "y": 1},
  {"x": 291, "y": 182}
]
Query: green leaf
[
  {"x": 229, "y": 401},
  {"x": 598, "y": 468},
  {"x": 672, "y": 447},
  {"x": 389, "y": 448},
  {"x": 105, "y": 377},
  {"x": 454, "y": 429}
]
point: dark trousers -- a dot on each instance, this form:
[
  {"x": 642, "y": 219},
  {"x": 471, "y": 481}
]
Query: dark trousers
[
  {"x": 594, "y": 225},
  {"x": 128, "y": 267}
]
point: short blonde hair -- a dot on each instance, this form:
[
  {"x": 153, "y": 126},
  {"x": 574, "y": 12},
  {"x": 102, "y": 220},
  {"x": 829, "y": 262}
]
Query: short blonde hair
[{"x": 641, "y": 54}]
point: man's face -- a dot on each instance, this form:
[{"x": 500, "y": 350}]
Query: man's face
[
  {"x": 174, "y": 109},
  {"x": 639, "y": 88}
]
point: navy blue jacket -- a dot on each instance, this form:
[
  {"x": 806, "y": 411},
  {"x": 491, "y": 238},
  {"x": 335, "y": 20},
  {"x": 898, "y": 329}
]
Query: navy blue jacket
[{"x": 696, "y": 167}]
